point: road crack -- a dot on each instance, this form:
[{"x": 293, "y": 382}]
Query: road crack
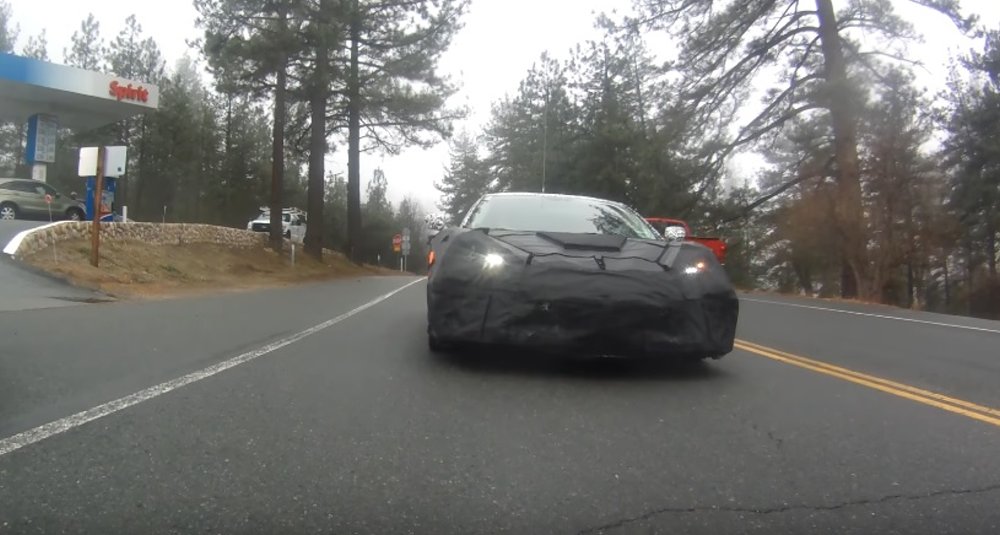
[{"x": 789, "y": 507}]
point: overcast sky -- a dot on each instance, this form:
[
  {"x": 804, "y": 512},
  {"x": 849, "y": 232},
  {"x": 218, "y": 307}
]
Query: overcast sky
[{"x": 499, "y": 42}]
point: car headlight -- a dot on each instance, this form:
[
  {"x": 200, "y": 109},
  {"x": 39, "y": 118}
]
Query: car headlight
[
  {"x": 696, "y": 268},
  {"x": 492, "y": 261}
]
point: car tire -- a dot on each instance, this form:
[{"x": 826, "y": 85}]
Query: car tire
[
  {"x": 433, "y": 343},
  {"x": 288, "y": 234},
  {"x": 74, "y": 214},
  {"x": 9, "y": 211},
  {"x": 436, "y": 345}
]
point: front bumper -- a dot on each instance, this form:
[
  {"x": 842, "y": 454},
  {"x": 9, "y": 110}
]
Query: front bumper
[{"x": 629, "y": 314}]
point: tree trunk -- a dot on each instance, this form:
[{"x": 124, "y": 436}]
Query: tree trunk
[
  {"x": 947, "y": 285},
  {"x": 910, "y": 290},
  {"x": 129, "y": 198},
  {"x": 278, "y": 143},
  {"x": 969, "y": 282},
  {"x": 848, "y": 283},
  {"x": 849, "y": 212},
  {"x": 991, "y": 244},
  {"x": 229, "y": 166},
  {"x": 317, "y": 141},
  {"x": 354, "y": 141},
  {"x": 804, "y": 276},
  {"x": 136, "y": 198}
]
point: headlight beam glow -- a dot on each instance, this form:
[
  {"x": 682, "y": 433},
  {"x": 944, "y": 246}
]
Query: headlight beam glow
[{"x": 492, "y": 260}]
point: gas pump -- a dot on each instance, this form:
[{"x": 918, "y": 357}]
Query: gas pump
[{"x": 107, "y": 198}]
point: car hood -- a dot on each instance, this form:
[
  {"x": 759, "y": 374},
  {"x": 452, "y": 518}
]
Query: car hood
[{"x": 579, "y": 245}]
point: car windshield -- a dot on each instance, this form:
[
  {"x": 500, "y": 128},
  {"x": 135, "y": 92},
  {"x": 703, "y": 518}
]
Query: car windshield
[{"x": 555, "y": 213}]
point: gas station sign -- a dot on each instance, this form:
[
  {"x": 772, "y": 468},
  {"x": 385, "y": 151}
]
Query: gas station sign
[
  {"x": 128, "y": 92},
  {"x": 115, "y": 159},
  {"x": 41, "y": 145}
]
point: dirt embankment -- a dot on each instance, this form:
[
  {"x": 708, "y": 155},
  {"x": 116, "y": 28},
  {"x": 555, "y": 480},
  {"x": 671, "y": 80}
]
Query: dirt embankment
[{"x": 131, "y": 268}]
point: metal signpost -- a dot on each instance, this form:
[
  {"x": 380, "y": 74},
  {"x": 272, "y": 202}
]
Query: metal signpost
[
  {"x": 406, "y": 246},
  {"x": 100, "y": 162},
  {"x": 48, "y": 203},
  {"x": 397, "y": 247}
]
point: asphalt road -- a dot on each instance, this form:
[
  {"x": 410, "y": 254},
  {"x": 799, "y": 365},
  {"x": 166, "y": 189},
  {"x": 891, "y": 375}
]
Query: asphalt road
[
  {"x": 9, "y": 229},
  {"x": 281, "y": 423},
  {"x": 24, "y": 289}
]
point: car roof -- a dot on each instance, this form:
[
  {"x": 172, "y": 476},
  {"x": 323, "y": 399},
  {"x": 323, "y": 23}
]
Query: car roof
[
  {"x": 530, "y": 194},
  {"x": 28, "y": 180}
]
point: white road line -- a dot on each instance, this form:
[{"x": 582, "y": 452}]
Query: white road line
[
  {"x": 879, "y": 316},
  {"x": 56, "y": 427}
]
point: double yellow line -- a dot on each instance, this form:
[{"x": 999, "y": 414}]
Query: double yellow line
[{"x": 926, "y": 397}]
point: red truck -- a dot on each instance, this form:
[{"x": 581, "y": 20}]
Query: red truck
[{"x": 717, "y": 246}]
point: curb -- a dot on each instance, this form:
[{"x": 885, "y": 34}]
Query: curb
[{"x": 14, "y": 244}]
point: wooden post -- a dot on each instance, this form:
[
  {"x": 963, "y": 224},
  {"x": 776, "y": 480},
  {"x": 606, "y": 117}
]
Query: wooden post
[{"x": 95, "y": 233}]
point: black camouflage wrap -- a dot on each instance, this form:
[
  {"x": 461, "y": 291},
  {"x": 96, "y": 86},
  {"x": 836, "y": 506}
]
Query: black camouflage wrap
[{"x": 580, "y": 293}]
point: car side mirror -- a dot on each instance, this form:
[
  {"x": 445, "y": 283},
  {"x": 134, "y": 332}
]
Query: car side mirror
[
  {"x": 435, "y": 222},
  {"x": 72, "y": 195},
  {"x": 674, "y": 233}
]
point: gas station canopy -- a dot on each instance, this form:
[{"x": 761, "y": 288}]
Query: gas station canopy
[{"x": 79, "y": 99}]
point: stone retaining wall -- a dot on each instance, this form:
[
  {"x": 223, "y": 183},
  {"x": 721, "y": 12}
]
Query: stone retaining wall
[{"x": 152, "y": 233}]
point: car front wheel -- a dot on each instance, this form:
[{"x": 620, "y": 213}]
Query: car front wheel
[
  {"x": 8, "y": 211},
  {"x": 74, "y": 214}
]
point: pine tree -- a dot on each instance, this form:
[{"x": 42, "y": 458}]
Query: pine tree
[
  {"x": 10, "y": 135},
  {"x": 87, "y": 50},
  {"x": 972, "y": 155},
  {"x": 392, "y": 95},
  {"x": 467, "y": 179},
  {"x": 250, "y": 45},
  {"x": 530, "y": 135},
  {"x": 8, "y": 29},
  {"x": 134, "y": 57},
  {"x": 37, "y": 47},
  {"x": 725, "y": 50}
]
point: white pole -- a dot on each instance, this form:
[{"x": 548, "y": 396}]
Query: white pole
[
  {"x": 55, "y": 257},
  {"x": 124, "y": 214},
  {"x": 293, "y": 254}
]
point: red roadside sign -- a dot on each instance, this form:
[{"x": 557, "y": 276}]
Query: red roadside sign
[
  {"x": 48, "y": 198},
  {"x": 397, "y": 243}
]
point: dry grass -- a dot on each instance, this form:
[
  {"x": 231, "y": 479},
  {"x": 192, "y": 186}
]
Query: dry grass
[{"x": 137, "y": 269}]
